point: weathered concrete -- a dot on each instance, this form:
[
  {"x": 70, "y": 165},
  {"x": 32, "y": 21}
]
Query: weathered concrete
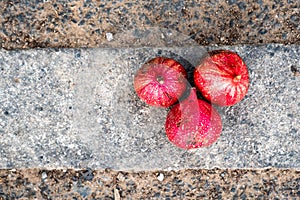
[{"x": 78, "y": 108}]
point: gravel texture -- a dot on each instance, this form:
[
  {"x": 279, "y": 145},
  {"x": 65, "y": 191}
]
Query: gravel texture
[
  {"x": 91, "y": 23},
  {"x": 77, "y": 108},
  {"x": 185, "y": 184}
]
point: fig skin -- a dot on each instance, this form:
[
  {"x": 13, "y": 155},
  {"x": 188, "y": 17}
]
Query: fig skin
[
  {"x": 222, "y": 77},
  {"x": 160, "y": 82},
  {"x": 193, "y": 123}
]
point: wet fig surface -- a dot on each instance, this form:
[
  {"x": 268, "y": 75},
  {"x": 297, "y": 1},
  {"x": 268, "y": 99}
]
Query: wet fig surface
[
  {"x": 160, "y": 82},
  {"x": 222, "y": 77},
  {"x": 193, "y": 123}
]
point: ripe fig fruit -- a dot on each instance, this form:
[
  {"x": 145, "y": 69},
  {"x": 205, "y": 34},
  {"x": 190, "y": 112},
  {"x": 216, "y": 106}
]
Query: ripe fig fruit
[
  {"x": 160, "y": 82},
  {"x": 222, "y": 77},
  {"x": 193, "y": 123}
]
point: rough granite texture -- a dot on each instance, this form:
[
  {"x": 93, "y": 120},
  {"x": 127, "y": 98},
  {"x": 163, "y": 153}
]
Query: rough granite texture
[
  {"x": 40, "y": 100},
  {"x": 274, "y": 184},
  {"x": 77, "y": 108},
  {"x": 90, "y": 23}
]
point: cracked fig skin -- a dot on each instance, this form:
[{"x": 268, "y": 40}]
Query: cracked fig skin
[
  {"x": 222, "y": 77},
  {"x": 160, "y": 82},
  {"x": 193, "y": 123}
]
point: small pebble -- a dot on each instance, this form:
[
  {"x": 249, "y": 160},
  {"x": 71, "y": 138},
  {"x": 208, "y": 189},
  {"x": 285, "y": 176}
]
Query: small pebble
[
  {"x": 109, "y": 36},
  {"x": 44, "y": 175},
  {"x": 116, "y": 194},
  {"x": 121, "y": 177},
  {"x": 160, "y": 177}
]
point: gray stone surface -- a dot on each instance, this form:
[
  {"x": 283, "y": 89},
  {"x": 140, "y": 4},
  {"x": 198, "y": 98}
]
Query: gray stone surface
[{"x": 77, "y": 108}]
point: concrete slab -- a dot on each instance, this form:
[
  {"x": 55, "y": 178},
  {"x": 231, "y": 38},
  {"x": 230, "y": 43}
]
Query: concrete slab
[{"x": 77, "y": 108}]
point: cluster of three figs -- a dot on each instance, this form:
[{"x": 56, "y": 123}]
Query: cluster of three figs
[{"x": 221, "y": 77}]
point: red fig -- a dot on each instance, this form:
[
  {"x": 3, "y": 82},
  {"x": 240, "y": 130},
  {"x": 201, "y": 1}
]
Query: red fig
[
  {"x": 160, "y": 82},
  {"x": 222, "y": 77},
  {"x": 193, "y": 123}
]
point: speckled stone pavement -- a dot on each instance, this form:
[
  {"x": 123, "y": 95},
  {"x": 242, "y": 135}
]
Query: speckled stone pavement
[
  {"x": 78, "y": 108},
  {"x": 63, "y": 23},
  {"x": 186, "y": 184},
  {"x": 68, "y": 23}
]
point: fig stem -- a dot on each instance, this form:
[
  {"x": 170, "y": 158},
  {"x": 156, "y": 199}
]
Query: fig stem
[
  {"x": 160, "y": 79},
  {"x": 237, "y": 78}
]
